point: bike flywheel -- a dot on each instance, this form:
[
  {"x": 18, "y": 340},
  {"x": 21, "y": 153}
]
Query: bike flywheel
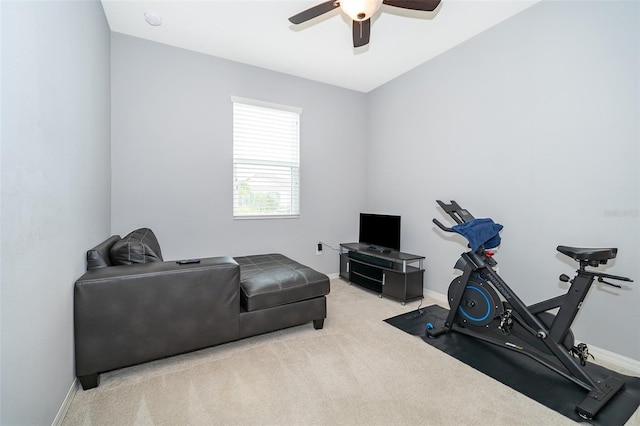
[{"x": 480, "y": 303}]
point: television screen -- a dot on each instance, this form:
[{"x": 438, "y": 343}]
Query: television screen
[{"x": 380, "y": 231}]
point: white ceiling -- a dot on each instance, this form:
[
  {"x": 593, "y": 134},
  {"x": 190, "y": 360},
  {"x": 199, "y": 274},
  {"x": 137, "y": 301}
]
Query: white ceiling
[{"x": 257, "y": 32}]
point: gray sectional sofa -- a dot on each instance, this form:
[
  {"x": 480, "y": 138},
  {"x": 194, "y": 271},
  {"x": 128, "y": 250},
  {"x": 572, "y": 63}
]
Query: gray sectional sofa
[{"x": 131, "y": 306}]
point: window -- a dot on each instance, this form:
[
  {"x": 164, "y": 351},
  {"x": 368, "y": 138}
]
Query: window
[{"x": 266, "y": 159}]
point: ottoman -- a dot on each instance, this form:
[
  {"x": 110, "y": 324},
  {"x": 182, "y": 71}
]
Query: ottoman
[{"x": 277, "y": 292}]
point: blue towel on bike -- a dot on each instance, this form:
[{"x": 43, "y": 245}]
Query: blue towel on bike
[{"x": 480, "y": 232}]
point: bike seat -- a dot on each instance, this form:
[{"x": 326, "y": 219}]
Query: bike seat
[{"x": 589, "y": 254}]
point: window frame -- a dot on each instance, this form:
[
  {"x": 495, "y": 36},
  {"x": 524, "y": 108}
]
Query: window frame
[{"x": 295, "y": 178}]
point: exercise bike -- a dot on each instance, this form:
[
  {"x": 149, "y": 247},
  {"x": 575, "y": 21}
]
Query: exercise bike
[{"x": 483, "y": 306}]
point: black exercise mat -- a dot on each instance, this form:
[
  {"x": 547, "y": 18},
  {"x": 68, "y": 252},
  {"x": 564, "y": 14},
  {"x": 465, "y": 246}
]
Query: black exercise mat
[{"x": 522, "y": 373}]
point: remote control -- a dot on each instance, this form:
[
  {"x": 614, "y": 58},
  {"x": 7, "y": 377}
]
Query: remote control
[{"x": 188, "y": 261}]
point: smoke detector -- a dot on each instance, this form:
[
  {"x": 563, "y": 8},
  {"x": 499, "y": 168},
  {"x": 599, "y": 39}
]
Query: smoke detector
[{"x": 153, "y": 18}]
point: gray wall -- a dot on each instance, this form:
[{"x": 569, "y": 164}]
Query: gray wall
[
  {"x": 55, "y": 191},
  {"x": 502, "y": 123},
  {"x": 172, "y": 152},
  {"x": 535, "y": 124}
]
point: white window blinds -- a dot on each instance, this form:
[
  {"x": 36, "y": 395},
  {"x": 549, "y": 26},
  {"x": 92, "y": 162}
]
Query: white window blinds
[{"x": 266, "y": 160}]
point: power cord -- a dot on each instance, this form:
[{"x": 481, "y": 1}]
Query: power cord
[
  {"x": 418, "y": 308},
  {"x": 325, "y": 244}
]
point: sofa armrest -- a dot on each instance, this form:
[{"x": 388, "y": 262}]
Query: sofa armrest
[{"x": 125, "y": 315}]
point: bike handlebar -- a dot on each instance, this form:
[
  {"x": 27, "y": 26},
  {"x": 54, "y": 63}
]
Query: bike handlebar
[{"x": 441, "y": 226}]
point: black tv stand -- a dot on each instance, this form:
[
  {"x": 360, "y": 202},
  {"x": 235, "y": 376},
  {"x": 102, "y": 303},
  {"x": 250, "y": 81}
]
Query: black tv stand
[{"x": 389, "y": 273}]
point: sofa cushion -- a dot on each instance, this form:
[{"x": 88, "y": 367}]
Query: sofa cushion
[
  {"x": 140, "y": 246},
  {"x": 99, "y": 257},
  {"x": 273, "y": 279}
]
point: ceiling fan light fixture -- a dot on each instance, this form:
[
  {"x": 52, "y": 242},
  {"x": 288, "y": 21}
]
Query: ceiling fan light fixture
[{"x": 360, "y": 10}]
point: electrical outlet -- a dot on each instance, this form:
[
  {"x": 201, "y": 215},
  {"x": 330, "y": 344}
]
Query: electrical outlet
[{"x": 319, "y": 248}]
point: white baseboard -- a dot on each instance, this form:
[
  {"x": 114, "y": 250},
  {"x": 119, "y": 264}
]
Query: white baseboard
[
  {"x": 615, "y": 359},
  {"x": 333, "y": 276},
  {"x": 57, "y": 421},
  {"x": 599, "y": 354},
  {"x": 438, "y": 297}
]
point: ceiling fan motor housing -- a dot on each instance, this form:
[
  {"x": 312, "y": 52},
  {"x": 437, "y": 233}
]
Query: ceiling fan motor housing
[{"x": 360, "y": 10}]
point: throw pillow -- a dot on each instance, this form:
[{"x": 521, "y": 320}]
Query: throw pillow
[
  {"x": 140, "y": 246},
  {"x": 99, "y": 256}
]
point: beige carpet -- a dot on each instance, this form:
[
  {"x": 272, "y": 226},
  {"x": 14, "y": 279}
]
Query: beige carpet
[{"x": 358, "y": 370}]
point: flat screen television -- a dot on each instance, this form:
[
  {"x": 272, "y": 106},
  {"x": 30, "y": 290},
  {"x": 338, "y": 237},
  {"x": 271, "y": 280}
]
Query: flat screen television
[{"x": 380, "y": 231}]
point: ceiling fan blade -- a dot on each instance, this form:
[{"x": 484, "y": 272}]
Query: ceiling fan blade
[
  {"x": 426, "y": 5},
  {"x": 314, "y": 11},
  {"x": 361, "y": 32}
]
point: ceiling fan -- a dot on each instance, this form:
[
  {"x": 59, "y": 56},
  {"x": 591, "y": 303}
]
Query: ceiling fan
[{"x": 361, "y": 11}]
